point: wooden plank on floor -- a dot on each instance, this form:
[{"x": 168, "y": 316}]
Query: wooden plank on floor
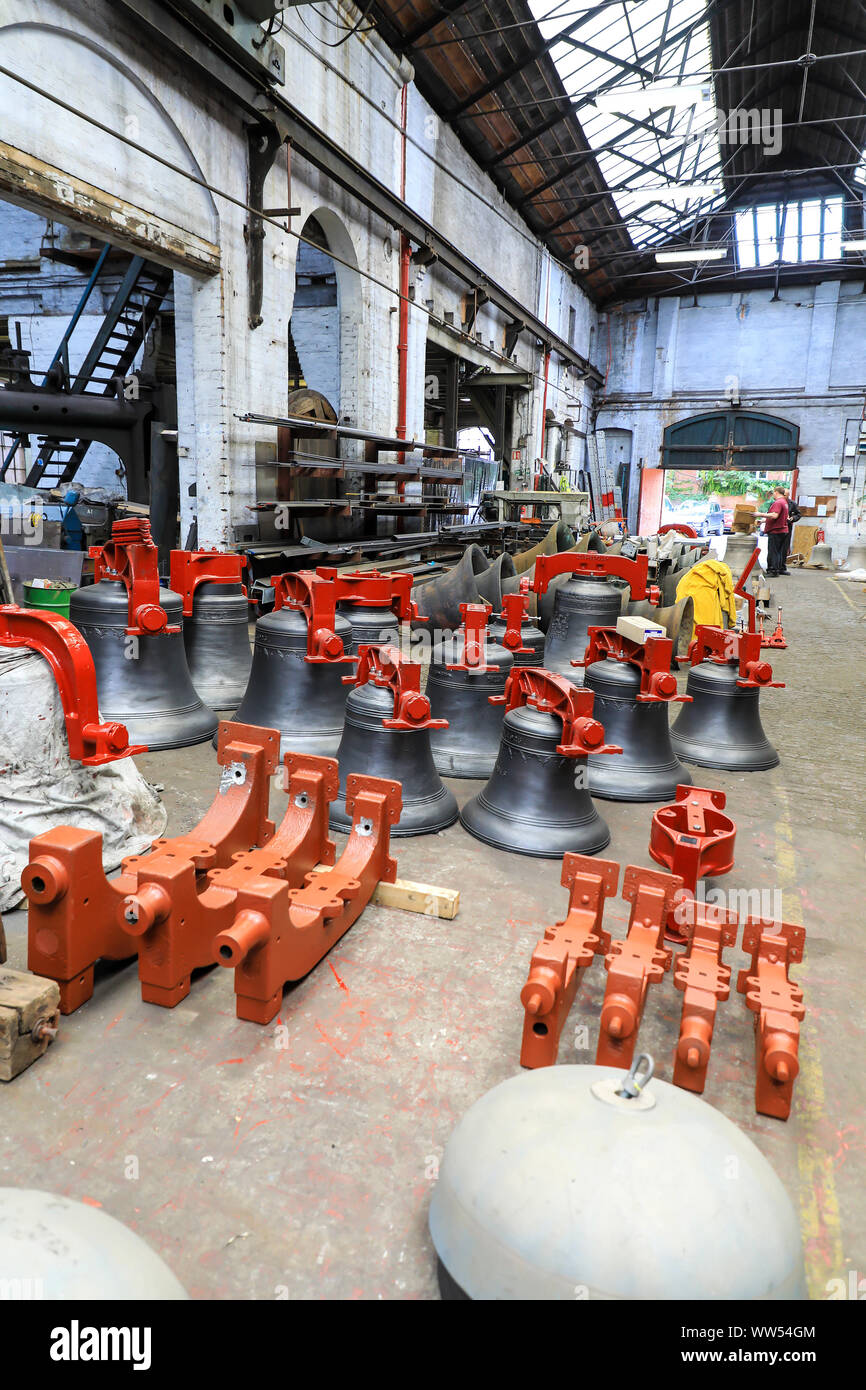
[{"x": 413, "y": 897}]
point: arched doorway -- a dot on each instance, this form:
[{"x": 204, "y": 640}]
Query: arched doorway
[{"x": 323, "y": 328}]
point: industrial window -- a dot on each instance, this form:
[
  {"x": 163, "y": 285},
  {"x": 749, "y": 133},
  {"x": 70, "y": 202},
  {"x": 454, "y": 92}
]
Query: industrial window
[{"x": 809, "y": 230}]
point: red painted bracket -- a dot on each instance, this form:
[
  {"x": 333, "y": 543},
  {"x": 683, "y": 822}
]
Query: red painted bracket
[
  {"x": 652, "y": 658},
  {"x": 474, "y": 629},
  {"x": 72, "y": 920},
  {"x": 635, "y": 963},
  {"x": 547, "y": 567},
  {"x": 731, "y": 645},
  {"x": 552, "y": 694},
  {"x": 91, "y": 743},
  {"x": 132, "y": 557},
  {"x": 514, "y": 610},
  {"x": 373, "y": 589},
  {"x": 386, "y": 667},
  {"x": 174, "y": 915},
  {"x": 700, "y": 972},
  {"x": 777, "y": 637},
  {"x": 561, "y": 957},
  {"x": 316, "y": 598},
  {"x": 280, "y": 933},
  {"x": 692, "y": 838},
  {"x": 777, "y": 1004},
  {"x": 190, "y": 568},
  {"x": 678, "y": 526}
]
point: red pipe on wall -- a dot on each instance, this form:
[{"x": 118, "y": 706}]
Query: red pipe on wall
[{"x": 403, "y": 313}]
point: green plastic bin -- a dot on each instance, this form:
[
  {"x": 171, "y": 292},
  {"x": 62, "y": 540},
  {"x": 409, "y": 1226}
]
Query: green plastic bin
[{"x": 52, "y": 594}]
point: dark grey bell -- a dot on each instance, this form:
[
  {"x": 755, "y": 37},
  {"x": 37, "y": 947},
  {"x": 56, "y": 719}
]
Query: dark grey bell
[
  {"x": 373, "y": 627},
  {"x": 648, "y": 769},
  {"x": 402, "y": 755},
  {"x": 531, "y": 804},
  {"x": 531, "y": 636},
  {"x": 722, "y": 726},
  {"x": 678, "y": 621},
  {"x": 305, "y": 700},
  {"x": 217, "y": 642},
  {"x": 489, "y": 584},
  {"x": 582, "y": 603},
  {"x": 468, "y": 747},
  {"x": 439, "y": 599},
  {"x": 142, "y": 681}
]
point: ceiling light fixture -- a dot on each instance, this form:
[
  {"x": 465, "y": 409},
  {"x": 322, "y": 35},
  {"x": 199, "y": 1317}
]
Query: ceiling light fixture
[
  {"x": 694, "y": 253},
  {"x": 654, "y": 97},
  {"x": 678, "y": 192}
]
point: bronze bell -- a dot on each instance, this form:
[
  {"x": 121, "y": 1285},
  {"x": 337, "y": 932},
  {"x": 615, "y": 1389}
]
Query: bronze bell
[
  {"x": 511, "y": 629},
  {"x": 133, "y": 629},
  {"x": 216, "y": 623},
  {"x": 722, "y": 726},
  {"x": 588, "y": 599},
  {"x": 299, "y": 659},
  {"x": 374, "y": 604},
  {"x": 459, "y": 685},
  {"x": 739, "y": 549},
  {"x": 559, "y": 537},
  {"x": 633, "y": 686},
  {"x": 387, "y": 734},
  {"x": 536, "y": 801},
  {"x": 489, "y": 584},
  {"x": 439, "y": 599}
]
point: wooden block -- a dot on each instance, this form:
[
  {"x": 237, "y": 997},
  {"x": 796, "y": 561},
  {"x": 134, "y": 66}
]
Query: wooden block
[
  {"x": 413, "y": 897},
  {"x": 25, "y": 999}
]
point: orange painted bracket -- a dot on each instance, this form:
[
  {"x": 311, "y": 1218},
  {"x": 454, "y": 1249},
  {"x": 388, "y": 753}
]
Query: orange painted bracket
[
  {"x": 73, "y": 918},
  {"x": 777, "y": 1004},
  {"x": 635, "y": 963},
  {"x": 280, "y": 933},
  {"x": 132, "y": 558},
  {"x": 561, "y": 957},
  {"x": 589, "y": 562},
  {"x": 175, "y": 913},
  {"x": 705, "y": 980},
  {"x": 190, "y": 568}
]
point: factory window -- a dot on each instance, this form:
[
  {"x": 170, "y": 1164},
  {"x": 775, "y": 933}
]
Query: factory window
[{"x": 808, "y": 230}]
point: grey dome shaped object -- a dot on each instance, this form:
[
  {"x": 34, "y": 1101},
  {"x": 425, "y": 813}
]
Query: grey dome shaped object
[
  {"x": 554, "y": 1187},
  {"x": 66, "y": 1250}
]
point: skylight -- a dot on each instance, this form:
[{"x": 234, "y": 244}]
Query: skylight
[
  {"x": 808, "y": 230},
  {"x": 663, "y": 165}
]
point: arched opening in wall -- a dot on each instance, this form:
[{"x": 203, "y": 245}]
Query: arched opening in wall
[
  {"x": 712, "y": 463},
  {"x": 325, "y": 319}
]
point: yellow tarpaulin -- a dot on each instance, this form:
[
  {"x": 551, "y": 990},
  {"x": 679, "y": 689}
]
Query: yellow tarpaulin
[{"x": 710, "y": 586}]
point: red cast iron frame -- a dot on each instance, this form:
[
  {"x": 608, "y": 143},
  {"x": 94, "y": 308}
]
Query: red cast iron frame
[
  {"x": 730, "y": 645},
  {"x": 190, "y": 568},
  {"x": 385, "y": 667},
  {"x": 547, "y": 567},
  {"x": 693, "y": 839},
  {"x": 552, "y": 694},
  {"x": 317, "y": 595},
  {"x": 652, "y": 658},
  {"x": 705, "y": 980},
  {"x": 91, "y": 743},
  {"x": 514, "y": 610},
  {"x": 132, "y": 557},
  {"x": 474, "y": 630},
  {"x": 777, "y": 1004},
  {"x": 562, "y": 956}
]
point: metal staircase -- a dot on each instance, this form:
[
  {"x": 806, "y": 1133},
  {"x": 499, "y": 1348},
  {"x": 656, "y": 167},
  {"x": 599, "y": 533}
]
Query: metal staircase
[{"x": 112, "y": 353}]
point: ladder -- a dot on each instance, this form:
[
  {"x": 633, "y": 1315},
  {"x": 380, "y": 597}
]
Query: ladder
[
  {"x": 600, "y": 478},
  {"x": 121, "y": 334}
]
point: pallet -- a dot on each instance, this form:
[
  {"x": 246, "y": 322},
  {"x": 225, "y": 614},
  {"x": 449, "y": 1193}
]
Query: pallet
[
  {"x": 27, "y": 1003},
  {"x": 413, "y": 897}
]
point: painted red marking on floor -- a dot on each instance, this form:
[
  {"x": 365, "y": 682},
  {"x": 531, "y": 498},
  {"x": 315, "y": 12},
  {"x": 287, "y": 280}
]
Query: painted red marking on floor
[
  {"x": 329, "y": 1041},
  {"x": 113, "y": 1024},
  {"x": 91, "y": 1202},
  {"x": 231, "y": 1061},
  {"x": 337, "y": 978}
]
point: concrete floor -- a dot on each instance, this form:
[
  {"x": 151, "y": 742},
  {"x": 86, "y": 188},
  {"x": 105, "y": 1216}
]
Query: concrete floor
[{"x": 305, "y": 1171}]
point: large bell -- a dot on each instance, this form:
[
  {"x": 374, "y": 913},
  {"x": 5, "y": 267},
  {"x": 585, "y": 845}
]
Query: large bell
[
  {"x": 536, "y": 801},
  {"x": 402, "y": 755},
  {"x": 489, "y": 584},
  {"x": 143, "y": 681},
  {"x": 856, "y": 557},
  {"x": 217, "y": 642},
  {"x": 722, "y": 726},
  {"x": 648, "y": 769},
  {"x": 304, "y": 700},
  {"x": 468, "y": 747},
  {"x": 531, "y": 638},
  {"x": 584, "y": 601},
  {"x": 738, "y": 552},
  {"x": 821, "y": 557},
  {"x": 678, "y": 621},
  {"x": 439, "y": 599},
  {"x": 559, "y": 537}
]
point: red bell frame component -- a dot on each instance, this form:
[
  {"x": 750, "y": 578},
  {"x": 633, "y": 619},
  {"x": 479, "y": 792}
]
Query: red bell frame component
[
  {"x": 590, "y": 563},
  {"x": 190, "y": 568},
  {"x": 553, "y": 694},
  {"x": 693, "y": 839},
  {"x": 316, "y": 595},
  {"x": 72, "y": 920},
  {"x": 514, "y": 610},
  {"x": 561, "y": 957},
  {"x": 777, "y": 636},
  {"x": 59, "y": 641},
  {"x": 279, "y": 931},
  {"x": 678, "y": 526},
  {"x": 777, "y": 1004},
  {"x": 373, "y": 589},
  {"x": 634, "y": 964},
  {"x": 652, "y": 658},
  {"x": 474, "y": 628},
  {"x": 132, "y": 557},
  {"x": 386, "y": 667},
  {"x": 705, "y": 980},
  {"x": 731, "y": 645}
]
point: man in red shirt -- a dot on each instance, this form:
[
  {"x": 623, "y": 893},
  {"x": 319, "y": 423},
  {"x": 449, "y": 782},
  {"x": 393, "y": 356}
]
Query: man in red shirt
[{"x": 776, "y": 531}]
